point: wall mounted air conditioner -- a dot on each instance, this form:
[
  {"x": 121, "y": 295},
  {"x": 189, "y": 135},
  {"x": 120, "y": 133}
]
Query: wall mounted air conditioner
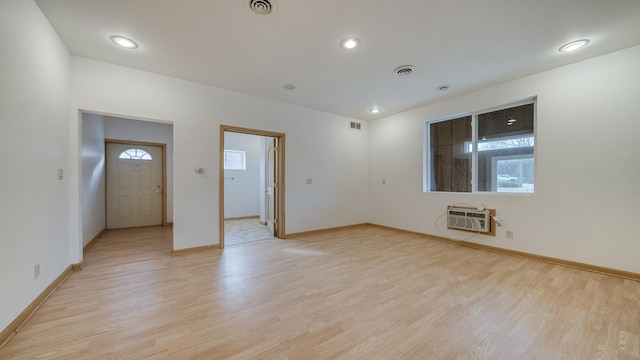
[{"x": 470, "y": 219}]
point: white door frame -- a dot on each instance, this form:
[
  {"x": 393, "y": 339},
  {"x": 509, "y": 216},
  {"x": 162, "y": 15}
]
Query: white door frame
[
  {"x": 280, "y": 155},
  {"x": 164, "y": 171}
]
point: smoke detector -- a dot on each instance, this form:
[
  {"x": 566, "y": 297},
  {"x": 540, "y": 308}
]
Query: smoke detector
[
  {"x": 404, "y": 70},
  {"x": 261, "y": 7}
]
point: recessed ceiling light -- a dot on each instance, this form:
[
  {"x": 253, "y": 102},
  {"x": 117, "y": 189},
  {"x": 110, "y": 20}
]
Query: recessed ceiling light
[
  {"x": 574, "y": 45},
  {"x": 289, "y": 87},
  {"x": 374, "y": 110},
  {"x": 124, "y": 42},
  {"x": 349, "y": 43}
]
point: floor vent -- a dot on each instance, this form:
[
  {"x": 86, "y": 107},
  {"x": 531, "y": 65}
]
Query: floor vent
[
  {"x": 355, "y": 125},
  {"x": 469, "y": 219}
]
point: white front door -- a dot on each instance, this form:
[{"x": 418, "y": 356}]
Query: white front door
[{"x": 134, "y": 185}]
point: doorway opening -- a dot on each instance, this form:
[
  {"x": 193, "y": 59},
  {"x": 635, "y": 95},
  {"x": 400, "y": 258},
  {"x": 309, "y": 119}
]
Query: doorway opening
[
  {"x": 252, "y": 187},
  {"x": 97, "y": 131}
]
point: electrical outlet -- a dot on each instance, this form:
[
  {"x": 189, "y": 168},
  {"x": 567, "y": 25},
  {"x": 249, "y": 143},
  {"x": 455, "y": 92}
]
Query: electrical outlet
[
  {"x": 36, "y": 270},
  {"x": 384, "y": 181},
  {"x": 508, "y": 234},
  {"x": 309, "y": 181}
]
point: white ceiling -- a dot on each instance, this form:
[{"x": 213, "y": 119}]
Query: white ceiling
[{"x": 466, "y": 44}]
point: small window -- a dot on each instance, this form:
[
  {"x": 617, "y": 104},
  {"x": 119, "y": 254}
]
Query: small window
[
  {"x": 234, "y": 160},
  {"x": 491, "y": 151},
  {"x": 135, "y": 154}
]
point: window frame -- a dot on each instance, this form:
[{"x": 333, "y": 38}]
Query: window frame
[
  {"x": 244, "y": 159},
  {"x": 494, "y": 182},
  {"x": 136, "y": 157},
  {"x": 428, "y": 171}
]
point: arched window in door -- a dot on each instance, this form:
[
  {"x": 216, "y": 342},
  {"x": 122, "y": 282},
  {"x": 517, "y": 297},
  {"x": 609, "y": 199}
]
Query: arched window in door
[{"x": 135, "y": 154}]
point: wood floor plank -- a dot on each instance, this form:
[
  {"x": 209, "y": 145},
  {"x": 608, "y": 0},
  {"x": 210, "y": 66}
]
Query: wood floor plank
[{"x": 354, "y": 293}]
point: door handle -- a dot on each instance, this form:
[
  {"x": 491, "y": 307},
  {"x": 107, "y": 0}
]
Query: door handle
[{"x": 158, "y": 189}]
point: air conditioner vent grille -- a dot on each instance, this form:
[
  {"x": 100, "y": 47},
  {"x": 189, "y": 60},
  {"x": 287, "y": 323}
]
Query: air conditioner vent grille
[{"x": 469, "y": 219}]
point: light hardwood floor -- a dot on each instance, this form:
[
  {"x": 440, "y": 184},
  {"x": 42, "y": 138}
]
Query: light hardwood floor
[{"x": 365, "y": 293}]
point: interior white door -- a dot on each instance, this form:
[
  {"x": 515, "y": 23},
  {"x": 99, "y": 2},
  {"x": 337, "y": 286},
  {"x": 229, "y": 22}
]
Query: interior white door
[
  {"x": 272, "y": 186},
  {"x": 134, "y": 185}
]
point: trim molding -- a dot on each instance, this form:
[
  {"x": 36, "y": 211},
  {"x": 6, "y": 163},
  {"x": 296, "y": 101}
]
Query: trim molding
[
  {"x": 16, "y": 325},
  {"x": 93, "y": 241},
  {"x": 192, "y": 250},
  {"x": 79, "y": 266},
  {"x": 242, "y": 217},
  {"x": 547, "y": 259},
  {"x": 422, "y": 235},
  {"x": 556, "y": 261},
  {"x": 320, "y": 231},
  {"x": 169, "y": 223}
]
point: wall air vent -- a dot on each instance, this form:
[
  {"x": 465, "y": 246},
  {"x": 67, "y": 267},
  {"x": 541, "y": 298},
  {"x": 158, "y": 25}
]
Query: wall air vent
[
  {"x": 470, "y": 219},
  {"x": 261, "y": 7},
  {"x": 356, "y": 125}
]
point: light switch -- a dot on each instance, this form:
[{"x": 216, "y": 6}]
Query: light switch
[
  {"x": 309, "y": 181},
  {"x": 60, "y": 174}
]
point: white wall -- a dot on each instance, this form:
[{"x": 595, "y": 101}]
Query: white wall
[
  {"x": 34, "y": 144},
  {"x": 587, "y": 167},
  {"x": 318, "y": 145},
  {"x": 93, "y": 176},
  {"x": 242, "y": 187},
  {"x": 145, "y": 131}
]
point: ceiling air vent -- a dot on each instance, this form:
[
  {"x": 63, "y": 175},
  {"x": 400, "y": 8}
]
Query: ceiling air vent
[
  {"x": 261, "y": 7},
  {"x": 404, "y": 70}
]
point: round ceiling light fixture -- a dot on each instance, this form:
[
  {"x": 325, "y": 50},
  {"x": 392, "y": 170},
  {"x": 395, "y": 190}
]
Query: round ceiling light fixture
[
  {"x": 404, "y": 70},
  {"x": 261, "y": 7},
  {"x": 574, "y": 45},
  {"x": 289, "y": 87},
  {"x": 375, "y": 110},
  {"x": 349, "y": 43},
  {"x": 124, "y": 42}
]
